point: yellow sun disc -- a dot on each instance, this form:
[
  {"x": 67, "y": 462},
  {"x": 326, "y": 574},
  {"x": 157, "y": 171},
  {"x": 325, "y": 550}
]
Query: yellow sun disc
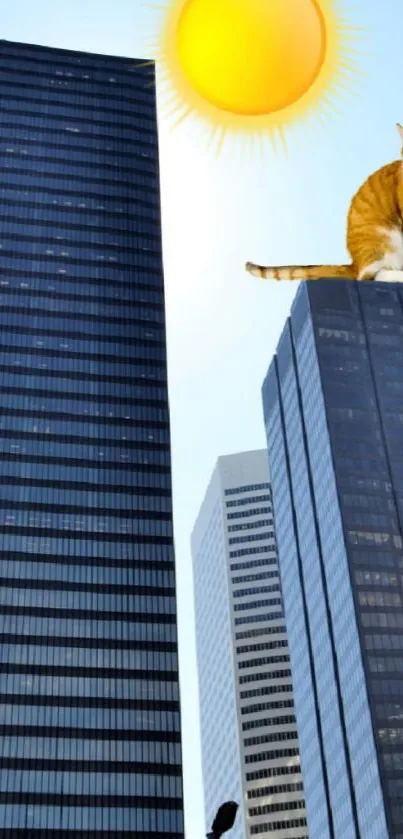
[
  {"x": 253, "y": 68},
  {"x": 251, "y": 57}
]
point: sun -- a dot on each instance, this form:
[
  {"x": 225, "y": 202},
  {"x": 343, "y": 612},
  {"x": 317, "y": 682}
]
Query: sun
[{"x": 251, "y": 68}]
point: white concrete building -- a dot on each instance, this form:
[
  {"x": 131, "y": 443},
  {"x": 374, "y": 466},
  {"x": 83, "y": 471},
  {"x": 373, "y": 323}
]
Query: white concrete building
[{"x": 248, "y": 731}]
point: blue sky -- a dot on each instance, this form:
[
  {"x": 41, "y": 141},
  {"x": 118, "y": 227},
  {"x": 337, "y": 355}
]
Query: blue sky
[{"x": 223, "y": 325}]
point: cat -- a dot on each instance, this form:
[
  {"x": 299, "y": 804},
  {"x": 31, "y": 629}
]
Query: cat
[{"x": 374, "y": 234}]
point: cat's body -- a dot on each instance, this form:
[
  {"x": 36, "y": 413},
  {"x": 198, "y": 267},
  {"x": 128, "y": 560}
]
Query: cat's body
[{"x": 374, "y": 234}]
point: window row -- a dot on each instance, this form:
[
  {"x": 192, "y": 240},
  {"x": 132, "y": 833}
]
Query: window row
[
  {"x": 255, "y": 511},
  {"x": 277, "y": 825},
  {"x": 93, "y": 455},
  {"x": 98, "y": 369},
  {"x": 267, "y": 690},
  {"x": 27, "y": 65},
  {"x": 130, "y": 164},
  {"x": 273, "y": 754},
  {"x": 257, "y": 499},
  {"x": 94, "y": 328},
  {"x": 91, "y": 783},
  {"x": 261, "y": 549},
  {"x": 152, "y": 630},
  {"x": 383, "y": 664},
  {"x": 267, "y": 706},
  {"x": 262, "y": 662},
  {"x": 78, "y": 819},
  {"x": 54, "y": 124},
  {"x": 78, "y": 388},
  {"x": 33, "y": 684},
  {"x": 247, "y": 488},
  {"x": 249, "y": 578},
  {"x": 113, "y": 212},
  {"x": 274, "y": 790},
  {"x": 276, "y": 737},
  {"x": 102, "y": 719},
  {"x": 136, "y": 294},
  {"x": 252, "y": 537},
  {"x": 84, "y": 407},
  {"x": 382, "y": 620},
  {"x": 96, "y": 348},
  {"x": 95, "y": 475},
  {"x": 66, "y": 748},
  {"x": 376, "y": 578},
  {"x": 110, "y": 659},
  {"x": 83, "y": 574},
  {"x": 263, "y": 809},
  {"x": 67, "y": 547},
  {"x": 245, "y": 592},
  {"x": 96, "y": 499},
  {"x": 251, "y": 525},
  {"x": 260, "y": 677},
  {"x": 274, "y": 771},
  {"x": 125, "y": 189},
  {"x": 384, "y": 642},
  {"x": 128, "y": 311},
  {"x": 379, "y": 598},
  {"x": 75, "y": 431},
  {"x": 23, "y": 141},
  {"x": 72, "y": 600},
  {"x": 390, "y": 736},
  {"x": 92, "y": 248},
  {"x": 288, "y": 719},
  {"x": 59, "y": 106},
  {"x": 264, "y": 646},
  {"x": 258, "y": 633},
  {"x": 259, "y": 618},
  {"x": 257, "y": 604}
]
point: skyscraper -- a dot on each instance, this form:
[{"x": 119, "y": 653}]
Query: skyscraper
[
  {"x": 89, "y": 701},
  {"x": 249, "y": 740},
  {"x": 333, "y": 404}
]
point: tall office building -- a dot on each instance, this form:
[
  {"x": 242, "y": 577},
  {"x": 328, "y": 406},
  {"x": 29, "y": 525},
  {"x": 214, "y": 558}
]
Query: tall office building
[
  {"x": 89, "y": 701},
  {"x": 249, "y": 740},
  {"x": 333, "y": 404}
]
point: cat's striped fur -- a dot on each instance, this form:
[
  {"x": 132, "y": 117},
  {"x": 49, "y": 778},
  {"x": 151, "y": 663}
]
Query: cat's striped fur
[{"x": 374, "y": 234}]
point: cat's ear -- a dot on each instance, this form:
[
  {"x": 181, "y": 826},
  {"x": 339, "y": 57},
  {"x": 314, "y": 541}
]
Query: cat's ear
[{"x": 400, "y": 130}]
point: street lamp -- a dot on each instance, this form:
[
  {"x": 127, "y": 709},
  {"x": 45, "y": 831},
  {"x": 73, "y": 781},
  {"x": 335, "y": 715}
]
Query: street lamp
[{"x": 224, "y": 820}]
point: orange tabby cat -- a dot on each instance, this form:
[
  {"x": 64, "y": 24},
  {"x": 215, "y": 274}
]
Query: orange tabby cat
[{"x": 374, "y": 234}]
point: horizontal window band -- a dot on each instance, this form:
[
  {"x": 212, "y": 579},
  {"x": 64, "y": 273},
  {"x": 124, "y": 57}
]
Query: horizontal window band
[
  {"x": 84, "y": 486},
  {"x": 128, "y": 445},
  {"x": 43, "y": 352},
  {"x": 62, "y": 209},
  {"x": 80, "y": 336},
  {"x": 135, "y": 514},
  {"x": 92, "y": 421},
  {"x": 50, "y": 224},
  {"x": 113, "y": 703},
  {"x": 96, "y": 165},
  {"x": 106, "y": 801},
  {"x": 25, "y": 309},
  {"x": 119, "y": 468},
  {"x": 116, "y": 127},
  {"x": 40, "y": 56},
  {"x": 138, "y": 261},
  {"x": 63, "y": 585},
  {"x": 130, "y": 280},
  {"x": 138, "y": 381},
  {"x": 90, "y": 672},
  {"x": 87, "y": 96},
  {"x": 99, "y": 149},
  {"x": 88, "y": 643},
  {"x": 90, "y": 733},
  {"x": 47, "y": 764},
  {"x": 50, "y": 190},
  {"x": 86, "y": 397},
  {"x": 91, "y": 614},
  {"x": 95, "y": 562}
]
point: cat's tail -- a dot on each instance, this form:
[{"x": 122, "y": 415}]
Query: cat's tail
[{"x": 301, "y": 272}]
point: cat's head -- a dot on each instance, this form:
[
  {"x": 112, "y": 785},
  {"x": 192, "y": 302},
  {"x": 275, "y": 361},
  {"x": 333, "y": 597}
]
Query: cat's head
[{"x": 400, "y": 130}]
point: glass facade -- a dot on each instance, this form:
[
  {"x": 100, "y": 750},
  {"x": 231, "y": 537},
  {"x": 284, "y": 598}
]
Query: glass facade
[
  {"x": 89, "y": 696},
  {"x": 333, "y": 404}
]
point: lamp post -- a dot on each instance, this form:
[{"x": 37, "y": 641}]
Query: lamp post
[{"x": 224, "y": 820}]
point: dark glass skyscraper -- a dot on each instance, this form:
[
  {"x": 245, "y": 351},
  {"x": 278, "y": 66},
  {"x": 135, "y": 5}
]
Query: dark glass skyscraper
[
  {"x": 89, "y": 699},
  {"x": 333, "y": 404}
]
